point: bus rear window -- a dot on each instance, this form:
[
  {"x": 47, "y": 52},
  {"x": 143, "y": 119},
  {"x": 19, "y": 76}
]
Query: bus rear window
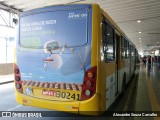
[{"x": 58, "y": 27}]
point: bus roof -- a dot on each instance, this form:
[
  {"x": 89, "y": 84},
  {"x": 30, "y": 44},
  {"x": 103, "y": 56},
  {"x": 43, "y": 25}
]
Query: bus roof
[
  {"x": 78, "y": 6},
  {"x": 56, "y": 7}
]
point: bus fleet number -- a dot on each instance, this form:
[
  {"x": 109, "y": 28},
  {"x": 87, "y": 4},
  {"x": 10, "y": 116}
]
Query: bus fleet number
[{"x": 68, "y": 95}]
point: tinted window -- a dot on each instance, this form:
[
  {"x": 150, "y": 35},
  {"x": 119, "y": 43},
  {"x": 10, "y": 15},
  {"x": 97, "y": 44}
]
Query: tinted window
[
  {"x": 132, "y": 51},
  {"x": 128, "y": 51},
  {"x": 108, "y": 41},
  {"x": 123, "y": 48},
  {"x": 55, "y": 28}
]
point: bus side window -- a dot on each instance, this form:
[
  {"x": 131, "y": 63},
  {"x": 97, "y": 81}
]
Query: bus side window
[
  {"x": 123, "y": 48},
  {"x": 132, "y": 51},
  {"x": 108, "y": 42},
  {"x": 128, "y": 50}
]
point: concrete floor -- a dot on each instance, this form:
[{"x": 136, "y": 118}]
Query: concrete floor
[
  {"x": 142, "y": 94},
  {"x": 6, "y": 78},
  {"x": 148, "y": 93}
]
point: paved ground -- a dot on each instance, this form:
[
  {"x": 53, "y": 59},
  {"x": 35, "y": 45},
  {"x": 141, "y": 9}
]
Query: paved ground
[
  {"x": 142, "y": 94},
  {"x": 6, "y": 78}
]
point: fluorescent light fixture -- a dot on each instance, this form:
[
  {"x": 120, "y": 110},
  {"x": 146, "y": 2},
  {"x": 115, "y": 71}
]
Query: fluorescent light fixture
[
  {"x": 139, "y": 32},
  {"x": 157, "y": 52},
  {"x": 139, "y": 38},
  {"x": 138, "y": 21}
]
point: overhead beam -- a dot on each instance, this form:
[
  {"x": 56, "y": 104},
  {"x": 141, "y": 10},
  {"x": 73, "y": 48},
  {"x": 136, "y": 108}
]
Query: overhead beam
[
  {"x": 6, "y": 26},
  {"x": 8, "y": 8}
]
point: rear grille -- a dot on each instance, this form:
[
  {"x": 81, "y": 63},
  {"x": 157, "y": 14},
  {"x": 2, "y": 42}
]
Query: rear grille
[{"x": 65, "y": 86}]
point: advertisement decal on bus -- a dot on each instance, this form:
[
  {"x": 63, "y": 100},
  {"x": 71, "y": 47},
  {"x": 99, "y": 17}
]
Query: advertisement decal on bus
[{"x": 57, "y": 44}]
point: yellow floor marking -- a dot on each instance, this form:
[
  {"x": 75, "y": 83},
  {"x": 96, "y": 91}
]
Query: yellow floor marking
[{"x": 153, "y": 99}]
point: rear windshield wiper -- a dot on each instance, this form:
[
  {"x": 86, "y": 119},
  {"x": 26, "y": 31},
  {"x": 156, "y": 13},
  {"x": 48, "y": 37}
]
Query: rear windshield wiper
[{"x": 63, "y": 49}]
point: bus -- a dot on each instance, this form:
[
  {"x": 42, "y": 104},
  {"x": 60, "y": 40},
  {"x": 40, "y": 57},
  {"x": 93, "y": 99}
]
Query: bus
[{"x": 71, "y": 58}]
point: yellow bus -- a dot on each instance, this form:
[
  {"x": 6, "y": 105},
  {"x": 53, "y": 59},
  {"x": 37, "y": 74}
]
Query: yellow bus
[{"x": 71, "y": 58}]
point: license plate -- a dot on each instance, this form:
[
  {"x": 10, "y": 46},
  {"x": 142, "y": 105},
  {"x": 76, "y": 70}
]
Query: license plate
[{"x": 60, "y": 94}]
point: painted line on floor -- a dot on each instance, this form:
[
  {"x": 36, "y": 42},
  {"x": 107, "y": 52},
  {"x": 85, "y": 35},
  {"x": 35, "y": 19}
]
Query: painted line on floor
[
  {"x": 14, "y": 107},
  {"x": 152, "y": 95}
]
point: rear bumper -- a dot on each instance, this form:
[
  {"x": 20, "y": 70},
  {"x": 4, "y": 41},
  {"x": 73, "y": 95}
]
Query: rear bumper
[{"x": 87, "y": 107}]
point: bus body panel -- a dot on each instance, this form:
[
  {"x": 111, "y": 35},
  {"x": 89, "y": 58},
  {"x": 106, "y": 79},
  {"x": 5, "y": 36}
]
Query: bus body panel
[
  {"x": 109, "y": 71},
  {"x": 132, "y": 65},
  {"x": 88, "y": 107},
  {"x": 121, "y": 77},
  {"x": 95, "y": 58},
  {"x": 45, "y": 62},
  {"x": 127, "y": 69},
  {"x": 35, "y": 98},
  {"x": 108, "y": 84}
]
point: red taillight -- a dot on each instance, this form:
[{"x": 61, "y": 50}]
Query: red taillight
[
  {"x": 17, "y": 78},
  {"x": 90, "y": 75},
  {"x": 89, "y": 83},
  {"x": 18, "y": 81},
  {"x": 16, "y": 71}
]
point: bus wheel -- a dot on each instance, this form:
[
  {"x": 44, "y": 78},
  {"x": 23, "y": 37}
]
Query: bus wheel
[{"x": 124, "y": 85}]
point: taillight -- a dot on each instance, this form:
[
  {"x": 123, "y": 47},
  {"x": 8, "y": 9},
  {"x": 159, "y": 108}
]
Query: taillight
[
  {"x": 89, "y": 83},
  {"x": 17, "y": 78},
  {"x": 87, "y": 92},
  {"x": 16, "y": 71},
  {"x": 18, "y": 81},
  {"x": 18, "y": 86},
  {"x": 90, "y": 74}
]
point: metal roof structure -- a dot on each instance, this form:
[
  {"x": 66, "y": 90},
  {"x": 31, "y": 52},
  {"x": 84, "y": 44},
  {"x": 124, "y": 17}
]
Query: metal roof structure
[{"x": 126, "y": 13}]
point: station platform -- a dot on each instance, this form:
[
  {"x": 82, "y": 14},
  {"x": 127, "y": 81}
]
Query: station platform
[
  {"x": 6, "y": 79},
  {"x": 148, "y": 89}
]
